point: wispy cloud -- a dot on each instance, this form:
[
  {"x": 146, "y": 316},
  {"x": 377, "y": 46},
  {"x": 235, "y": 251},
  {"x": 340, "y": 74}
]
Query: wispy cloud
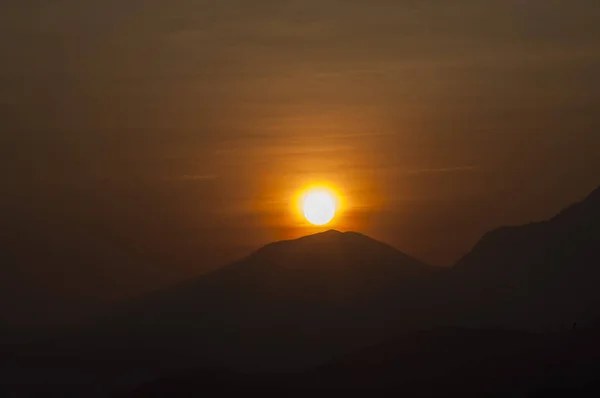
[
  {"x": 198, "y": 177},
  {"x": 453, "y": 169}
]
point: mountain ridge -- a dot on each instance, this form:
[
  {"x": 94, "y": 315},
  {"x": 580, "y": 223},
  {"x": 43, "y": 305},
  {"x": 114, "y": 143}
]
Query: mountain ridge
[
  {"x": 290, "y": 303},
  {"x": 297, "y": 303},
  {"x": 576, "y": 216}
]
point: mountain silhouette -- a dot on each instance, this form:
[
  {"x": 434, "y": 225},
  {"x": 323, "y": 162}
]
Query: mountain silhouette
[
  {"x": 289, "y": 305},
  {"x": 290, "y": 302},
  {"x": 539, "y": 274},
  {"x": 330, "y": 267},
  {"x": 295, "y": 304}
]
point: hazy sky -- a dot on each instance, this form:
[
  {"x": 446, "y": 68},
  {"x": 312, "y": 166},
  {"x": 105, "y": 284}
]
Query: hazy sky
[{"x": 178, "y": 130}]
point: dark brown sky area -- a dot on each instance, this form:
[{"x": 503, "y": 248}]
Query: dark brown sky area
[{"x": 147, "y": 141}]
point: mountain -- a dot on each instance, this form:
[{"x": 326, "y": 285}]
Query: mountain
[
  {"x": 571, "y": 236},
  {"x": 539, "y": 274},
  {"x": 295, "y": 304},
  {"x": 291, "y": 304},
  {"x": 326, "y": 267}
]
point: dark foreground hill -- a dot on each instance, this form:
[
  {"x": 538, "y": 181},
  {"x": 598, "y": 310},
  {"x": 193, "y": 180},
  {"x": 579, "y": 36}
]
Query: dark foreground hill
[{"x": 438, "y": 363}]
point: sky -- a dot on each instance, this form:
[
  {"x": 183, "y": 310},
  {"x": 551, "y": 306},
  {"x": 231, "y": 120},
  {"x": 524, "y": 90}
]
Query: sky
[{"x": 144, "y": 142}]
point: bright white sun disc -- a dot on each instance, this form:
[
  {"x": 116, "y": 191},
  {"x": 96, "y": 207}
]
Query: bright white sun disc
[{"x": 319, "y": 207}]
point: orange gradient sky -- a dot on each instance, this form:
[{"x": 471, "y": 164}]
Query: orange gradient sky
[{"x": 170, "y": 137}]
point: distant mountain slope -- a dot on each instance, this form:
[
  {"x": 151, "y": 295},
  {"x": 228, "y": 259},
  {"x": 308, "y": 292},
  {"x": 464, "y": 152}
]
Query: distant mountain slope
[
  {"x": 540, "y": 273},
  {"x": 572, "y": 235}
]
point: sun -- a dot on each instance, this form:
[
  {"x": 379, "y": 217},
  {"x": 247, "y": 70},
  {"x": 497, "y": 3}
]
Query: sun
[{"x": 319, "y": 206}]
